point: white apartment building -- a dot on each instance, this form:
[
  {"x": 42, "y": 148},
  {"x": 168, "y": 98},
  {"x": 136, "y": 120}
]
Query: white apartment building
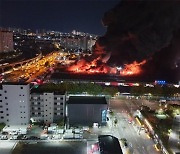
[
  {"x": 14, "y": 103},
  {"x": 47, "y": 107},
  {"x": 18, "y": 106}
]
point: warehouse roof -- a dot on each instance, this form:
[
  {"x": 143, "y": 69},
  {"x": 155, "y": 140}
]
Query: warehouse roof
[{"x": 86, "y": 100}]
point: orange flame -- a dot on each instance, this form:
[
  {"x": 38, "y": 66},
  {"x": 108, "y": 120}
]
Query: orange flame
[
  {"x": 132, "y": 69},
  {"x": 92, "y": 67}
]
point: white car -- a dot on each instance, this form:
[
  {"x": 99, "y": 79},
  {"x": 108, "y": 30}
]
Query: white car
[
  {"x": 13, "y": 133},
  {"x": 13, "y": 137},
  {"x": 162, "y": 101},
  {"x": 4, "y": 137}
]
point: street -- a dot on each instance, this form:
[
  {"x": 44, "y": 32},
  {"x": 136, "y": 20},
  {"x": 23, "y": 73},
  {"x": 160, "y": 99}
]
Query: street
[
  {"x": 138, "y": 141},
  {"x": 174, "y": 138},
  {"x": 6, "y": 146},
  {"x": 31, "y": 71}
]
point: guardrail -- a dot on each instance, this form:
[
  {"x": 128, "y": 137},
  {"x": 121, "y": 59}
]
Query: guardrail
[{"x": 25, "y": 61}]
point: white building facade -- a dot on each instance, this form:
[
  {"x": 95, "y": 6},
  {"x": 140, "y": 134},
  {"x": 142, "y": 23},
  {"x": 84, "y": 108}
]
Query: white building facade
[
  {"x": 47, "y": 107},
  {"x": 18, "y": 106},
  {"x": 14, "y": 104}
]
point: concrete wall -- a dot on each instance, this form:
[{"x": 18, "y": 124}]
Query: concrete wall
[
  {"x": 16, "y": 104},
  {"x": 48, "y": 107},
  {"x": 2, "y": 113},
  {"x": 59, "y": 106},
  {"x": 85, "y": 114},
  {"x": 53, "y": 103}
]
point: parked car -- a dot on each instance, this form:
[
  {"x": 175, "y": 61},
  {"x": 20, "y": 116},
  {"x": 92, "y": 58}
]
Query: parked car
[
  {"x": 4, "y": 137},
  {"x": 4, "y": 133},
  {"x": 13, "y": 137},
  {"x": 24, "y": 137},
  {"x": 13, "y": 133},
  {"x": 33, "y": 138}
]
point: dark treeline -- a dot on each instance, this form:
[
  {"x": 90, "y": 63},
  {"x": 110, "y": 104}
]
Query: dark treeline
[
  {"x": 156, "y": 91},
  {"x": 96, "y": 89},
  {"x": 77, "y": 88}
]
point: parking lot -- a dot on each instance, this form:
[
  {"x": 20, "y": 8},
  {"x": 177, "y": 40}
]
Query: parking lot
[{"x": 71, "y": 141}]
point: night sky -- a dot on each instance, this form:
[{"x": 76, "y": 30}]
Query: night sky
[{"x": 60, "y": 15}]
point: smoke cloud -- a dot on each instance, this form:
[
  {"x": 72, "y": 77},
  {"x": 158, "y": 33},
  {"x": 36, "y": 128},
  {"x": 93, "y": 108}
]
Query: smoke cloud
[{"x": 138, "y": 30}]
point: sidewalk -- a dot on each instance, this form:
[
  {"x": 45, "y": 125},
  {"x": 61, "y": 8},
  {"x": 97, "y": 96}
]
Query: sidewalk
[
  {"x": 7, "y": 146},
  {"x": 174, "y": 138}
]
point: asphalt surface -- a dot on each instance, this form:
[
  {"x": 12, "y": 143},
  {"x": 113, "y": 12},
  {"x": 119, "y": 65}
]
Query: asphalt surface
[
  {"x": 174, "y": 138},
  {"x": 138, "y": 141},
  {"x": 32, "y": 70},
  {"x": 6, "y": 146}
]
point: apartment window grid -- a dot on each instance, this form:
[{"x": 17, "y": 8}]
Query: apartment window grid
[{"x": 58, "y": 106}]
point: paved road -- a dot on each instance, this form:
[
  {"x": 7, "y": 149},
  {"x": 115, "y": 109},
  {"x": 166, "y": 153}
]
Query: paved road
[
  {"x": 31, "y": 71},
  {"x": 139, "y": 143},
  {"x": 174, "y": 137},
  {"x": 6, "y": 146}
]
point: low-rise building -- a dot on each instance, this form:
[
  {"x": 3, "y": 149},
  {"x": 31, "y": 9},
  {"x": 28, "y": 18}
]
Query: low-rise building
[{"x": 86, "y": 110}]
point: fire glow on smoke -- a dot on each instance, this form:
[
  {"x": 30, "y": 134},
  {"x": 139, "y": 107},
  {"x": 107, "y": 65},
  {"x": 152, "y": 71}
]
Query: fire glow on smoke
[
  {"x": 132, "y": 69},
  {"x": 82, "y": 66},
  {"x": 97, "y": 67}
]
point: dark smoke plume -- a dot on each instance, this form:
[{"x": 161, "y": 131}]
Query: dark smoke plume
[
  {"x": 165, "y": 64},
  {"x": 138, "y": 30}
]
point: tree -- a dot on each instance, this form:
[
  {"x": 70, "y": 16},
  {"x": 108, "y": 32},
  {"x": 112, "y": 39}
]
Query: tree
[
  {"x": 115, "y": 121},
  {"x": 2, "y": 125},
  {"x": 60, "y": 123},
  {"x": 110, "y": 91},
  {"x": 157, "y": 90},
  {"x": 140, "y": 90},
  {"x": 94, "y": 89}
]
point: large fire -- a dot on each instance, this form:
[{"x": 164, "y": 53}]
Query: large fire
[
  {"x": 96, "y": 66},
  {"x": 132, "y": 69},
  {"x": 82, "y": 66}
]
